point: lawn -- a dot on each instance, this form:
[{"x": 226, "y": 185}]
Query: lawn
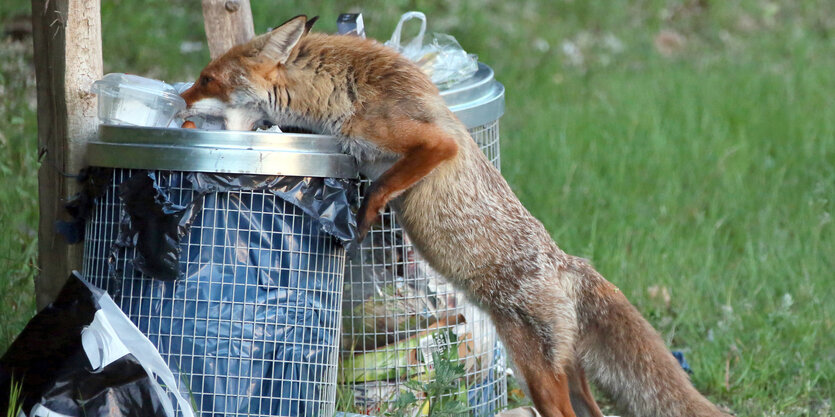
[{"x": 687, "y": 148}]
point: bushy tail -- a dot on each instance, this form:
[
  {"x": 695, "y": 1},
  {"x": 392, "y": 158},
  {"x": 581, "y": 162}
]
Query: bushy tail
[{"x": 627, "y": 359}]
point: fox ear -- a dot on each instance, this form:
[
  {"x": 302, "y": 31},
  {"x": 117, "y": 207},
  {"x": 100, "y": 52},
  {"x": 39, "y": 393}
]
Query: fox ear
[
  {"x": 277, "y": 45},
  {"x": 309, "y": 24}
]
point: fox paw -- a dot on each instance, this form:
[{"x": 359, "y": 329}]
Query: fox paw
[
  {"x": 365, "y": 221},
  {"x": 369, "y": 213}
]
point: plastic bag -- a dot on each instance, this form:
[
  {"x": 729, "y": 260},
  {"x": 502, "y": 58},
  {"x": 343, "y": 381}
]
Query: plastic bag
[
  {"x": 441, "y": 58},
  {"x": 155, "y": 225},
  {"x": 81, "y": 356}
]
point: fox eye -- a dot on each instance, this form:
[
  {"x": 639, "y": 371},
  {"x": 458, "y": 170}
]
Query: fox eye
[{"x": 205, "y": 80}]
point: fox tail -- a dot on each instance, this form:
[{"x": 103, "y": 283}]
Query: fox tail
[{"x": 627, "y": 358}]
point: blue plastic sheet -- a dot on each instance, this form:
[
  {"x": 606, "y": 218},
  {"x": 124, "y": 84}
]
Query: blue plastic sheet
[
  {"x": 484, "y": 397},
  {"x": 250, "y": 324},
  {"x": 679, "y": 355}
]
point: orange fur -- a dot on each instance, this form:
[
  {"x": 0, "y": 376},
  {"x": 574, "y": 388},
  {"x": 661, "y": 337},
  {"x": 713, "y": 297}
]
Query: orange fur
[
  {"x": 423, "y": 147},
  {"x": 548, "y": 389}
]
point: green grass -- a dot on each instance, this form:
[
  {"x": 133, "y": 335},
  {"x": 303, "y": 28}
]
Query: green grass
[
  {"x": 15, "y": 403},
  {"x": 710, "y": 172},
  {"x": 18, "y": 191}
]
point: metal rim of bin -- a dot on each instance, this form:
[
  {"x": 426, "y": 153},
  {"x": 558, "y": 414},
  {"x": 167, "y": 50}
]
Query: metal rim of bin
[
  {"x": 478, "y": 100},
  {"x": 225, "y": 151}
]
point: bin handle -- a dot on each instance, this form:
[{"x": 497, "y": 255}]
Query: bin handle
[{"x": 395, "y": 36}]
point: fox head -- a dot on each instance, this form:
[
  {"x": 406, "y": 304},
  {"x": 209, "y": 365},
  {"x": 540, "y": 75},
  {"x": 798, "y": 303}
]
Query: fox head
[{"x": 249, "y": 82}]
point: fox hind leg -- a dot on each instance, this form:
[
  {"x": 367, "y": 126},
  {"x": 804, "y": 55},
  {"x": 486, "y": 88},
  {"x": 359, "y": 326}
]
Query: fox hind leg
[
  {"x": 544, "y": 383},
  {"x": 582, "y": 401},
  {"x": 548, "y": 390}
]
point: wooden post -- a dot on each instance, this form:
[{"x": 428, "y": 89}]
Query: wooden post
[
  {"x": 67, "y": 42},
  {"x": 228, "y": 23}
]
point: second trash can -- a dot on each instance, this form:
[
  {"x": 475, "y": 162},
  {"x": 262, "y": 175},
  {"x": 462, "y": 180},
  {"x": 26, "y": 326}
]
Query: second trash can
[
  {"x": 233, "y": 272},
  {"x": 397, "y": 311}
]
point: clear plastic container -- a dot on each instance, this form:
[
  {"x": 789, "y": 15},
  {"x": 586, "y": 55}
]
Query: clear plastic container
[
  {"x": 182, "y": 86},
  {"x": 126, "y": 99}
]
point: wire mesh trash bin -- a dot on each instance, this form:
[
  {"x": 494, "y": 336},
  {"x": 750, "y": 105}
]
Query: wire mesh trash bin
[
  {"x": 235, "y": 276},
  {"x": 397, "y": 311}
]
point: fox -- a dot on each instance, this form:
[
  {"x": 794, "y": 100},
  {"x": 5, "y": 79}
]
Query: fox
[{"x": 560, "y": 320}]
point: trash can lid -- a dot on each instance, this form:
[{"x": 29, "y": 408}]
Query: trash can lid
[
  {"x": 478, "y": 100},
  {"x": 222, "y": 151}
]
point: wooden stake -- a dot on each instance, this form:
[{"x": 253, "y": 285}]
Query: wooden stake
[
  {"x": 228, "y": 23},
  {"x": 68, "y": 58}
]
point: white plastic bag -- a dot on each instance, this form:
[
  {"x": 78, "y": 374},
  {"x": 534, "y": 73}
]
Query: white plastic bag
[
  {"x": 441, "y": 57},
  {"x": 112, "y": 335}
]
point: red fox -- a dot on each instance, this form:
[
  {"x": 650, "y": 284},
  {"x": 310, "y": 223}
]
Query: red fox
[{"x": 559, "y": 318}]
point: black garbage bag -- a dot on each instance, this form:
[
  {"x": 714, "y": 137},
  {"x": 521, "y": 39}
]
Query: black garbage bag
[
  {"x": 81, "y": 356},
  {"x": 156, "y": 226}
]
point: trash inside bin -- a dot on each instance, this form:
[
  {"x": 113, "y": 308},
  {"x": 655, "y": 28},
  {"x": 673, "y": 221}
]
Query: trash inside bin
[
  {"x": 397, "y": 311},
  {"x": 246, "y": 309}
]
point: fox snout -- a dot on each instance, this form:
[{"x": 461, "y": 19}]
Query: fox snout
[
  {"x": 197, "y": 93},
  {"x": 198, "y": 102},
  {"x": 190, "y": 95},
  {"x": 244, "y": 118}
]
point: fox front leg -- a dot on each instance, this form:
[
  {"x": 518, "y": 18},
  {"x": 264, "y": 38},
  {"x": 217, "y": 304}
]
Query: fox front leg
[{"x": 423, "y": 147}]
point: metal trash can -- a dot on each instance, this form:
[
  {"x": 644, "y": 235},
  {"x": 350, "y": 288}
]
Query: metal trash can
[
  {"x": 397, "y": 310},
  {"x": 245, "y": 307}
]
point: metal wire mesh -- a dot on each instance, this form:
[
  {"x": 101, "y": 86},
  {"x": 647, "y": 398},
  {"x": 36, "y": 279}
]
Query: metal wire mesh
[
  {"x": 397, "y": 311},
  {"x": 252, "y": 327}
]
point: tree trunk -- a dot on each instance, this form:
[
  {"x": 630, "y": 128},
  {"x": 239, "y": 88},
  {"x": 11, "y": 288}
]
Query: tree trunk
[
  {"x": 228, "y": 23},
  {"x": 67, "y": 42}
]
